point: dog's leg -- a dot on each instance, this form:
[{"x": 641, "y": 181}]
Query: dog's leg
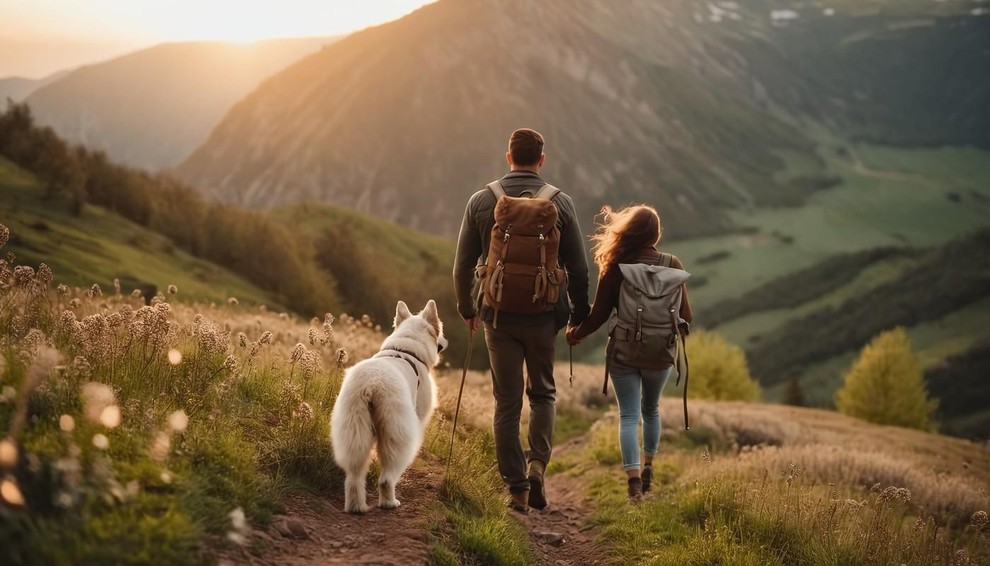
[
  {"x": 386, "y": 493},
  {"x": 396, "y": 451},
  {"x": 355, "y": 496}
]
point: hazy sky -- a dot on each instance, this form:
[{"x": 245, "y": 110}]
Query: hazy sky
[{"x": 38, "y": 37}]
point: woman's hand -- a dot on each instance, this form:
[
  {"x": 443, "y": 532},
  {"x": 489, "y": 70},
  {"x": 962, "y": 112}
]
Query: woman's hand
[{"x": 571, "y": 331}]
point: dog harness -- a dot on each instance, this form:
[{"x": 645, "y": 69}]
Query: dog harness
[
  {"x": 404, "y": 355},
  {"x": 401, "y": 354}
]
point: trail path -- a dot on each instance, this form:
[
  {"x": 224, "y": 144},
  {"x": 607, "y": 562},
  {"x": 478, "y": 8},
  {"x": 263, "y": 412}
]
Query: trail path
[
  {"x": 315, "y": 530},
  {"x": 867, "y": 171},
  {"x": 562, "y": 534}
]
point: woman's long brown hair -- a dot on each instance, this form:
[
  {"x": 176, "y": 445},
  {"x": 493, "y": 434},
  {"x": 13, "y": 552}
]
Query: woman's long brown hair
[{"x": 622, "y": 232}]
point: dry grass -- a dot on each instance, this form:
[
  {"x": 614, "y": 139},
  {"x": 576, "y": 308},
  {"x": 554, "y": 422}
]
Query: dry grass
[
  {"x": 584, "y": 399},
  {"x": 948, "y": 477},
  {"x": 151, "y": 434}
]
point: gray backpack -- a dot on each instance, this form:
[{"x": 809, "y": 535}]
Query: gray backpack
[{"x": 646, "y": 330}]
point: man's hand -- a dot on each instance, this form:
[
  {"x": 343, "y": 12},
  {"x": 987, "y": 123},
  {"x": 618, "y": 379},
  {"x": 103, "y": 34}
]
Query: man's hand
[
  {"x": 571, "y": 330},
  {"x": 472, "y": 323}
]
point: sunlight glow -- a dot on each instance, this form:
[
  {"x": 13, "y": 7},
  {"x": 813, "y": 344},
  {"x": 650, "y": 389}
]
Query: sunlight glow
[{"x": 172, "y": 20}]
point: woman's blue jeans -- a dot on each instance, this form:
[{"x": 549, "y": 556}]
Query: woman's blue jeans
[{"x": 638, "y": 394}]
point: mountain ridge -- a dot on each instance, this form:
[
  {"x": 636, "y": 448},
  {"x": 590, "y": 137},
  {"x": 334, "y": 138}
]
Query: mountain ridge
[
  {"x": 150, "y": 108},
  {"x": 639, "y": 102}
]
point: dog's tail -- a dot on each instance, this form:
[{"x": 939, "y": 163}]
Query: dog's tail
[
  {"x": 352, "y": 429},
  {"x": 361, "y": 416}
]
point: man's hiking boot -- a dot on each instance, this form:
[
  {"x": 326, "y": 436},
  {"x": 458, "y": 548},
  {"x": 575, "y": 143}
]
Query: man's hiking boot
[
  {"x": 635, "y": 490},
  {"x": 647, "y": 477},
  {"x": 537, "y": 494},
  {"x": 518, "y": 501}
]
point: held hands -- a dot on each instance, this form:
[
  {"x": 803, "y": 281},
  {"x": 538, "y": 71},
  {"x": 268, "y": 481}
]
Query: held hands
[{"x": 570, "y": 335}]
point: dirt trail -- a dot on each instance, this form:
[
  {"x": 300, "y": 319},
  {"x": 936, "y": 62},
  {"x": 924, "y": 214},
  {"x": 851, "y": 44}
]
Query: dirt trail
[
  {"x": 562, "y": 534},
  {"x": 316, "y": 530}
]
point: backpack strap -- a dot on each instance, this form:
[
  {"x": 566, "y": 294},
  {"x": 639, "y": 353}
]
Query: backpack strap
[
  {"x": 665, "y": 259},
  {"x": 609, "y": 354},
  {"x": 547, "y": 191},
  {"x": 496, "y": 188}
]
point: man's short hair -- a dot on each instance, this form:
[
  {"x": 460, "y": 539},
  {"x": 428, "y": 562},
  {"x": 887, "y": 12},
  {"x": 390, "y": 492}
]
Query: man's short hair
[{"x": 526, "y": 147}]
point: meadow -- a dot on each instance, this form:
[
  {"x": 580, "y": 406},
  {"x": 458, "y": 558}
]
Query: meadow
[{"x": 173, "y": 432}]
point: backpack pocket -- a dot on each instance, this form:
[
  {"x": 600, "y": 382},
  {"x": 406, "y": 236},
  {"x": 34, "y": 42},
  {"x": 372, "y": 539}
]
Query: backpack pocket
[
  {"x": 517, "y": 289},
  {"x": 654, "y": 350},
  {"x": 556, "y": 280}
]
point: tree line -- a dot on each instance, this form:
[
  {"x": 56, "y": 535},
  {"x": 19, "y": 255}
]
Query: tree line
[
  {"x": 249, "y": 243},
  {"x": 946, "y": 279}
]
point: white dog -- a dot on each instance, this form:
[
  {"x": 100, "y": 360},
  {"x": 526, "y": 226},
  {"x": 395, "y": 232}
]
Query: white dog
[{"x": 387, "y": 399}]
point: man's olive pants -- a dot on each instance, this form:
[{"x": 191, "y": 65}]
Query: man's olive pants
[{"x": 509, "y": 347}]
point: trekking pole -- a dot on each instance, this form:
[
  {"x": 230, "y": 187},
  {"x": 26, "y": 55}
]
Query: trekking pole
[
  {"x": 570, "y": 358},
  {"x": 457, "y": 410}
]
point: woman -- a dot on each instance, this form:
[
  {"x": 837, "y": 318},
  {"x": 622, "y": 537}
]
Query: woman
[{"x": 625, "y": 236}]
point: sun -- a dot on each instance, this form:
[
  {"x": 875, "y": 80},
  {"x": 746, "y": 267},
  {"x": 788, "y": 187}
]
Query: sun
[{"x": 233, "y": 20}]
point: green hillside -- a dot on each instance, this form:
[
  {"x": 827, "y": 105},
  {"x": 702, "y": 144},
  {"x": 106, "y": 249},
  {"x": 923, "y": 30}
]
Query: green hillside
[
  {"x": 88, "y": 216},
  {"x": 375, "y": 262},
  {"x": 99, "y": 246}
]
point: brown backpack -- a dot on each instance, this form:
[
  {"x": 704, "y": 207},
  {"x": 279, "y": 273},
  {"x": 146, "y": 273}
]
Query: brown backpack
[{"x": 521, "y": 274}]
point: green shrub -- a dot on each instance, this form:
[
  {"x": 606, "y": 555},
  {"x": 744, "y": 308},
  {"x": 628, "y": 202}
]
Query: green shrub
[
  {"x": 885, "y": 384},
  {"x": 719, "y": 370}
]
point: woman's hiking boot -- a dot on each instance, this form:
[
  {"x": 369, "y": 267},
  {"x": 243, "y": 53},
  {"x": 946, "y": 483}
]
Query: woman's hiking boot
[
  {"x": 518, "y": 501},
  {"x": 537, "y": 494},
  {"x": 647, "y": 477},
  {"x": 635, "y": 490}
]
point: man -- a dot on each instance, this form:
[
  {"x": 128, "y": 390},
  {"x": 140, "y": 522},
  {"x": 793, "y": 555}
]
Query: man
[{"x": 513, "y": 338}]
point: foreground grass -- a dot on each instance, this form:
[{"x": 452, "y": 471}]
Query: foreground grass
[
  {"x": 134, "y": 434},
  {"x": 471, "y": 521},
  {"x": 725, "y": 507}
]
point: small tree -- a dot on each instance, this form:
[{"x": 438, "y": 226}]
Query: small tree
[
  {"x": 794, "y": 394},
  {"x": 719, "y": 369},
  {"x": 885, "y": 384}
]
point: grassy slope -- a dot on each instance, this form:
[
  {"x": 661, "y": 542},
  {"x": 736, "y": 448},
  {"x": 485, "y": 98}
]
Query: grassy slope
[
  {"x": 100, "y": 246},
  {"x": 769, "y": 484},
  {"x": 377, "y": 262},
  {"x": 868, "y": 210},
  {"x": 889, "y": 197},
  {"x": 749, "y": 450}
]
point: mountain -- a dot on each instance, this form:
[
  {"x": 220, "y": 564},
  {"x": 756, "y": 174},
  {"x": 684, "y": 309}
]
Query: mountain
[
  {"x": 695, "y": 108},
  {"x": 151, "y": 108},
  {"x": 18, "y": 88}
]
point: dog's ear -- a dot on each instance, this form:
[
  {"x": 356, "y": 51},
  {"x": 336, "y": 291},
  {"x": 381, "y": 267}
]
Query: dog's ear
[
  {"x": 431, "y": 315},
  {"x": 401, "y": 313}
]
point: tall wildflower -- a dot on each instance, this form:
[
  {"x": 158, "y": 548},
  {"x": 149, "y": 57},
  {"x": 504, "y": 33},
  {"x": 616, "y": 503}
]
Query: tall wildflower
[
  {"x": 327, "y": 329},
  {"x": 41, "y": 367},
  {"x": 96, "y": 397}
]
